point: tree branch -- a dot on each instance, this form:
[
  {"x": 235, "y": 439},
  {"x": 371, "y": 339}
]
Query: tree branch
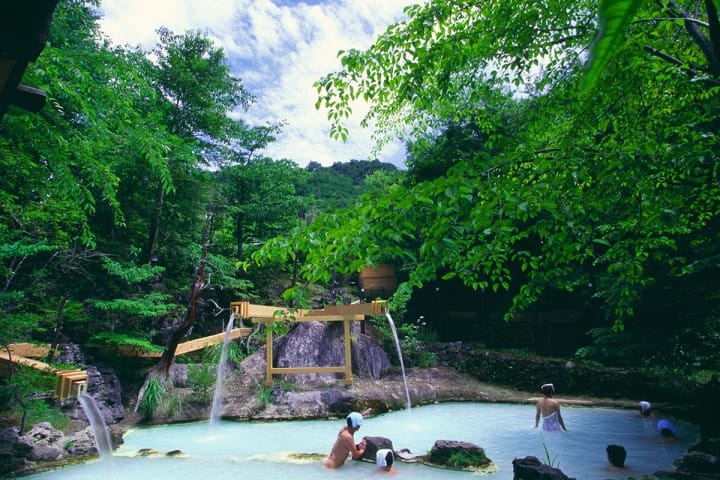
[
  {"x": 691, "y": 72},
  {"x": 714, "y": 23},
  {"x": 706, "y": 46}
]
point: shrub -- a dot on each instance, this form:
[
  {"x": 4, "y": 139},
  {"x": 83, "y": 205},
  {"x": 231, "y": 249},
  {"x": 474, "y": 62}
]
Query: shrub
[
  {"x": 153, "y": 397},
  {"x": 201, "y": 379},
  {"x": 466, "y": 459}
]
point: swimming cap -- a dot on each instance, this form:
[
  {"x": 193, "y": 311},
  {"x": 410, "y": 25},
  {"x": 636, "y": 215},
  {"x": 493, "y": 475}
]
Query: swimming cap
[
  {"x": 381, "y": 458},
  {"x": 664, "y": 426},
  {"x": 354, "y": 420},
  {"x": 548, "y": 386},
  {"x": 645, "y": 406}
]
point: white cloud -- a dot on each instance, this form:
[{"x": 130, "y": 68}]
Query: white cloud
[{"x": 278, "y": 50}]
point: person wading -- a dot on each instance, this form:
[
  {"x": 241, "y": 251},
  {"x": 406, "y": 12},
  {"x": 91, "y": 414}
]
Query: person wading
[
  {"x": 345, "y": 443},
  {"x": 549, "y": 408}
]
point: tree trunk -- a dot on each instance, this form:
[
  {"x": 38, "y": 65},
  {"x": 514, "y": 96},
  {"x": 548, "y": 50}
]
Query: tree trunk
[
  {"x": 162, "y": 369},
  {"x": 155, "y": 228},
  {"x": 57, "y": 335},
  {"x": 239, "y": 234},
  {"x": 163, "y": 366}
]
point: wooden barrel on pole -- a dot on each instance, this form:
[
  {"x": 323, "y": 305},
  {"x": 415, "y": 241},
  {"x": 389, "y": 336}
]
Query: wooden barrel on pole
[{"x": 378, "y": 281}]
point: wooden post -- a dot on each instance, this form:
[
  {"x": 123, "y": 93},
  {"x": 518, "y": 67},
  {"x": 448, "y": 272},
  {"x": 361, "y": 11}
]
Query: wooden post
[
  {"x": 348, "y": 356},
  {"x": 268, "y": 355}
]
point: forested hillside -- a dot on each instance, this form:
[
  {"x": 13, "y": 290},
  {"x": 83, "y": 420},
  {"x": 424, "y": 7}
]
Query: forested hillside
[{"x": 340, "y": 185}]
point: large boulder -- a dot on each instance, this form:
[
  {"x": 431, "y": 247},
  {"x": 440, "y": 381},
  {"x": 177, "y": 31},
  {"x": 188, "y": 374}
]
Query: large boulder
[
  {"x": 338, "y": 401},
  {"x": 70, "y": 353},
  {"x": 81, "y": 443},
  {"x": 13, "y": 452},
  {"x": 460, "y": 455},
  {"x": 45, "y": 441},
  {"x": 103, "y": 385},
  {"x": 104, "y": 388},
  {"x": 42, "y": 443},
  {"x": 698, "y": 463},
  {"x": 291, "y": 404},
  {"x": 530, "y": 468},
  {"x": 373, "y": 444},
  {"x": 179, "y": 374}
]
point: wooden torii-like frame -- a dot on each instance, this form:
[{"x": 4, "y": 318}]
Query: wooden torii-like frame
[{"x": 344, "y": 313}]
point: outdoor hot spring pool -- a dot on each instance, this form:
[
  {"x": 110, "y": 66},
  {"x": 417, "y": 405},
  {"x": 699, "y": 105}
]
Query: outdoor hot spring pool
[{"x": 259, "y": 449}]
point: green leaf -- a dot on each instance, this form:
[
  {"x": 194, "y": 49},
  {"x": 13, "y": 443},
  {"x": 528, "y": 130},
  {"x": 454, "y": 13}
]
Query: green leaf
[{"x": 614, "y": 16}]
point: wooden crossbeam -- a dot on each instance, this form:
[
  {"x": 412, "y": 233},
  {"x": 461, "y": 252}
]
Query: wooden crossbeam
[
  {"x": 326, "y": 318},
  {"x": 297, "y": 370},
  {"x": 185, "y": 347},
  {"x": 200, "y": 343},
  {"x": 240, "y": 309},
  {"x": 329, "y": 313},
  {"x": 373, "y": 308}
]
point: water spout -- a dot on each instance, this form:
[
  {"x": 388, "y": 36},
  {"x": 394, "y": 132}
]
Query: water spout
[
  {"x": 402, "y": 364},
  {"x": 218, "y": 394},
  {"x": 99, "y": 428}
]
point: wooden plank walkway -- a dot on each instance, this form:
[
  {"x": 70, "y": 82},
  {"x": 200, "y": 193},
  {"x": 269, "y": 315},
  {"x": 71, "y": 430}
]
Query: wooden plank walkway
[
  {"x": 185, "y": 347},
  {"x": 28, "y": 362},
  {"x": 200, "y": 343},
  {"x": 70, "y": 383}
]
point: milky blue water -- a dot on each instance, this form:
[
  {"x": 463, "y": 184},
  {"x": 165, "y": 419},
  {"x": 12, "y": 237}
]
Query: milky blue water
[{"x": 259, "y": 449}]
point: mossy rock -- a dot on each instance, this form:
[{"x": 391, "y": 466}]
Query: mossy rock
[{"x": 460, "y": 456}]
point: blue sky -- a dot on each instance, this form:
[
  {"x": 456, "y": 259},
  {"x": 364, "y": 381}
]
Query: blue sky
[{"x": 278, "y": 48}]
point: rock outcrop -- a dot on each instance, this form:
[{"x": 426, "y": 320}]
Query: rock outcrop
[
  {"x": 13, "y": 452},
  {"x": 42, "y": 445},
  {"x": 459, "y": 455},
  {"x": 530, "y": 468}
]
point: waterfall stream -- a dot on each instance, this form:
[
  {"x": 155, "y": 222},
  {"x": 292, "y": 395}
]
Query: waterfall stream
[
  {"x": 218, "y": 394},
  {"x": 399, "y": 351},
  {"x": 97, "y": 423}
]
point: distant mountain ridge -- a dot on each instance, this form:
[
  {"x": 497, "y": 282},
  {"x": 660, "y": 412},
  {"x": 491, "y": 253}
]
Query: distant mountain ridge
[{"x": 339, "y": 185}]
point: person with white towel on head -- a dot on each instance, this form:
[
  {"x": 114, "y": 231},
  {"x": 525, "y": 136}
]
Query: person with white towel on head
[
  {"x": 646, "y": 409},
  {"x": 344, "y": 445},
  {"x": 384, "y": 460}
]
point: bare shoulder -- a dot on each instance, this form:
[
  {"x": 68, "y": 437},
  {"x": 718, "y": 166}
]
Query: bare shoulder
[{"x": 347, "y": 438}]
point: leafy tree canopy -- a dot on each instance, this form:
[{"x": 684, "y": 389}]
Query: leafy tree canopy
[{"x": 525, "y": 182}]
